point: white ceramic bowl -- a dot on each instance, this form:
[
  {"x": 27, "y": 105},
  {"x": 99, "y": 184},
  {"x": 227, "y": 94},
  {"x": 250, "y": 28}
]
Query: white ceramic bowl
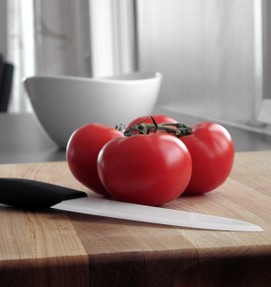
[{"x": 64, "y": 103}]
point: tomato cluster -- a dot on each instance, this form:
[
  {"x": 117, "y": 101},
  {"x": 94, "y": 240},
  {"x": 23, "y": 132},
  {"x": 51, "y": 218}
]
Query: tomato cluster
[{"x": 153, "y": 161}]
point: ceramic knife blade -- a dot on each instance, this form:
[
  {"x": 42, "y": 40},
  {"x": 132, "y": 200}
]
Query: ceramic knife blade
[{"x": 150, "y": 214}]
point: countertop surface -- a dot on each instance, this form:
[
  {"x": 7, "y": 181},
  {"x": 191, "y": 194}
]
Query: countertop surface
[
  {"x": 54, "y": 248},
  {"x": 22, "y": 139}
]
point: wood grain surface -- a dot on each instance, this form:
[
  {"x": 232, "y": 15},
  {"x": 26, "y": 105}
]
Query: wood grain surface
[{"x": 53, "y": 248}]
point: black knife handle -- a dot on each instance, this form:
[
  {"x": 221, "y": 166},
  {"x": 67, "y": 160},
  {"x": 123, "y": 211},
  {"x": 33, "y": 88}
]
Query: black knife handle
[{"x": 33, "y": 194}]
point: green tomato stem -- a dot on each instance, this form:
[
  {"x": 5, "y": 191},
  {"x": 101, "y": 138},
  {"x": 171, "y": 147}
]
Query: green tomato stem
[{"x": 177, "y": 129}]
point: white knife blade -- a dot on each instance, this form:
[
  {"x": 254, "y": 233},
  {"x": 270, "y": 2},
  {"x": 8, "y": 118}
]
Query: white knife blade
[{"x": 150, "y": 214}]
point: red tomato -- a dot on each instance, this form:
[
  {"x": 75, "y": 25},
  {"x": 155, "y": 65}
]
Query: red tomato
[
  {"x": 146, "y": 169},
  {"x": 212, "y": 152},
  {"x": 82, "y": 151}
]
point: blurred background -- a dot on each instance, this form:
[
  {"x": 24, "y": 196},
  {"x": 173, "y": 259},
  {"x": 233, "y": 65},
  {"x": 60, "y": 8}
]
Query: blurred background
[{"x": 214, "y": 55}]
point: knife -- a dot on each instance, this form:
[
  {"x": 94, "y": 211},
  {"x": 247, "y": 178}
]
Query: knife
[{"x": 33, "y": 194}]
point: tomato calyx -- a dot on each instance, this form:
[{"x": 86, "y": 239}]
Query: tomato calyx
[{"x": 177, "y": 129}]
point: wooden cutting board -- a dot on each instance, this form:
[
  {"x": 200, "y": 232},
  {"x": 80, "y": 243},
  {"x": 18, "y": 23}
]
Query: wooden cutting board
[{"x": 53, "y": 248}]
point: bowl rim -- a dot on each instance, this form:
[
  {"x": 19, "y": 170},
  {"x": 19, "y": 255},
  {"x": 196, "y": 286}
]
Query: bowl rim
[{"x": 119, "y": 78}]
